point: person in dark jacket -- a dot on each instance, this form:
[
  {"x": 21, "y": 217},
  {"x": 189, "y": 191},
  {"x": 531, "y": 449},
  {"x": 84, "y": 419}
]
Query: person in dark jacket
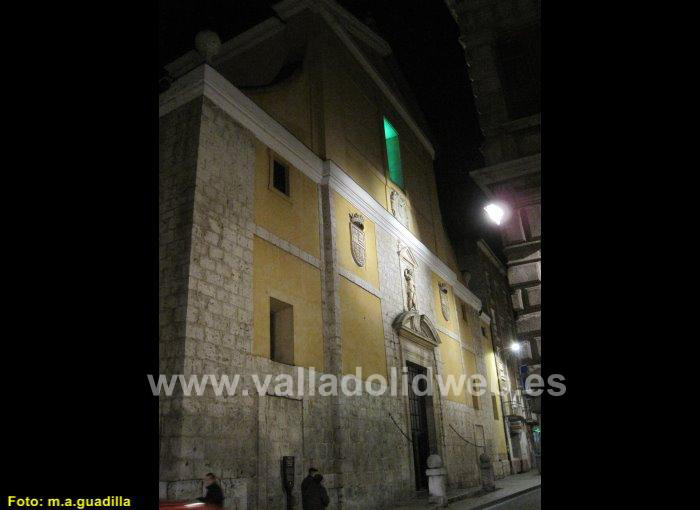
[
  {"x": 305, "y": 483},
  {"x": 214, "y": 495},
  {"x": 317, "y": 496}
]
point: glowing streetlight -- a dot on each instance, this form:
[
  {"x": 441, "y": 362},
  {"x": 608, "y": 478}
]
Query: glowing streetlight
[
  {"x": 495, "y": 213},
  {"x": 514, "y": 346}
]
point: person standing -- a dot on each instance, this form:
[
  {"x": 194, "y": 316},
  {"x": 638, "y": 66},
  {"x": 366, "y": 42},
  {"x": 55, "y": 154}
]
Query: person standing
[
  {"x": 305, "y": 483},
  {"x": 317, "y": 496}
]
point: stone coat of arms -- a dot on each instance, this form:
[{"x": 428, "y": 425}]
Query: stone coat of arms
[
  {"x": 444, "y": 302},
  {"x": 357, "y": 238}
]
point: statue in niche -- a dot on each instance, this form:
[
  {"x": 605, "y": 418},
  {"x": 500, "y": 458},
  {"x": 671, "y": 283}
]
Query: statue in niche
[
  {"x": 398, "y": 207},
  {"x": 357, "y": 238},
  {"x": 410, "y": 288},
  {"x": 444, "y": 303}
]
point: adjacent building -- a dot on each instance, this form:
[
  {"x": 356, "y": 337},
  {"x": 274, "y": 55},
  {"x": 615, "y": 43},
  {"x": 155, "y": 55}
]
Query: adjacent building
[
  {"x": 300, "y": 230},
  {"x": 501, "y": 40}
]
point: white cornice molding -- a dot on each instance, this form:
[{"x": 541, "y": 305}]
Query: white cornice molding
[
  {"x": 208, "y": 82},
  {"x": 205, "y": 81}
]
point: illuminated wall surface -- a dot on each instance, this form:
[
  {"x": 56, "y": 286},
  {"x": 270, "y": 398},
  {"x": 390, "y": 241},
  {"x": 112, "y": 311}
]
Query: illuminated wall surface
[
  {"x": 362, "y": 330},
  {"x": 368, "y": 272},
  {"x": 450, "y": 353},
  {"x": 270, "y": 254},
  {"x": 293, "y": 218},
  {"x": 282, "y": 276},
  {"x": 492, "y": 381},
  {"x": 452, "y": 323}
]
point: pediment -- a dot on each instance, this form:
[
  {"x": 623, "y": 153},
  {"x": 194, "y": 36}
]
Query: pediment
[
  {"x": 418, "y": 328},
  {"x": 406, "y": 254}
]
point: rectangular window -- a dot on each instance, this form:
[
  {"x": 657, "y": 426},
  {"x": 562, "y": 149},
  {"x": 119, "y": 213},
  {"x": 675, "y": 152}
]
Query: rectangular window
[
  {"x": 281, "y": 332},
  {"x": 393, "y": 154},
  {"x": 494, "y": 403},
  {"x": 279, "y": 176}
]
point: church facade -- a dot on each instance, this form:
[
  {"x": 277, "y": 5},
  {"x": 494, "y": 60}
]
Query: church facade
[{"x": 300, "y": 235}]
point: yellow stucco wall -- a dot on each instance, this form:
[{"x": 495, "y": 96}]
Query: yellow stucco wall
[
  {"x": 452, "y": 323},
  {"x": 369, "y": 272},
  {"x": 362, "y": 331},
  {"x": 289, "y": 103},
  {"x": 470, "y": 370},
  {"x": 450, "y": 354},
  {"x": 465, "y": 331},
  {"x": 294, "y": 219},
  {"x": 282, "y": 276},
  {"x": 492, "y": 380}
]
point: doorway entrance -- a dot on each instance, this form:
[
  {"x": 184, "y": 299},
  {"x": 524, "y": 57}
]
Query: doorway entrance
[{"x": 419, "y": 425}]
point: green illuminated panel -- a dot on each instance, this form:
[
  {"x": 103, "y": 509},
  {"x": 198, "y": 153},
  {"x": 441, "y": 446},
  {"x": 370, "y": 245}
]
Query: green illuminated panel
[{"x": 393, "y": 154}]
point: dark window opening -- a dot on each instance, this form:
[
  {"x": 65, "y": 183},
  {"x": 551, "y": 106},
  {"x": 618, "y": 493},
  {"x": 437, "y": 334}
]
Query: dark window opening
[
  {"x": 281, "y": 332},
  {"x": 280, "y": 177}
]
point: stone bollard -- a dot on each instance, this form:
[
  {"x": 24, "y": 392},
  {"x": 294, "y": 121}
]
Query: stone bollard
[
  {"x": 487, "y": 479},
  {"x": 437, "y": 481}
]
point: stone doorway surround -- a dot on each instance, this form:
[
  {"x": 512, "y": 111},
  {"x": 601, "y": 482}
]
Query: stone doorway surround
[{"x": 419, "y": 343}]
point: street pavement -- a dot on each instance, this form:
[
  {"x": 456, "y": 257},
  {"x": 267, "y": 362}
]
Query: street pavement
[
  {"x": 506, "y": 488},
  {"x": 531, "y": 500}
]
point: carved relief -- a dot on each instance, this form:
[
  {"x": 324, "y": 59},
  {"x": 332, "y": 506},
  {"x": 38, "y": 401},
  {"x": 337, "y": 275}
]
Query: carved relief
[
  {"x": 398, "y": 207},
  {"x": 357, "y": 238},
  {"x": 444, "y": 301},
  {"x": 410, "y": 288}
]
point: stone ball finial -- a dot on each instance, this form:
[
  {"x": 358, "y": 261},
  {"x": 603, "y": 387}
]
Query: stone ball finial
[
  {"x": 207, "y": 43},
  {"x": 434, "y": 461}
]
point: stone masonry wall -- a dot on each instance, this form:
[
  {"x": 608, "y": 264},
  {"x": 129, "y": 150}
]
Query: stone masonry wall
[{"x": 206, "y": 239}]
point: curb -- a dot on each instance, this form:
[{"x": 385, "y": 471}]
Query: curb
[{"x": 506, "y": 498}]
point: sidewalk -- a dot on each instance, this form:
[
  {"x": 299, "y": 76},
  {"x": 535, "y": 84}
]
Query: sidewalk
[{"x": 473, "y": 498}]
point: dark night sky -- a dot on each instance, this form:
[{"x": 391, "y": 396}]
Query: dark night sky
[{"x": 424, "y": 38}]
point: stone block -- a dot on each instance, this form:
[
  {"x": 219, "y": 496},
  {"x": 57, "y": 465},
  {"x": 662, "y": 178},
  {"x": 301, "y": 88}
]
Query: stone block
[
  {"x": 533, "y": 214},
  {"x": 528, "y": 322},
  {"x": 534, "y": 295},
  {"x": 513, "y": 231},
  {"x": 517, "y": 300},
  {"x": 525, "y": 273}
]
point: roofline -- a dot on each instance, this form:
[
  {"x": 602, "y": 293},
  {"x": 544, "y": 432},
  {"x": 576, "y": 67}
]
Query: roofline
[{"x": 341, "y": 22}]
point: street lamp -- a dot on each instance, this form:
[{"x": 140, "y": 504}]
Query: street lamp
[
  {"x": 514, "y": 347},
  {"x": 495, "y": 212}
]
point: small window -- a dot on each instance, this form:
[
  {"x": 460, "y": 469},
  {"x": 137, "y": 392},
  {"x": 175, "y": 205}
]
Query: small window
[
  {"x": 279, "y": 176},
  {"x": 393, "y": 154},
  {"x": 475, "y": 402},
  {"x": 494, "y": 403},
  {"x": 281, "y": 332}
]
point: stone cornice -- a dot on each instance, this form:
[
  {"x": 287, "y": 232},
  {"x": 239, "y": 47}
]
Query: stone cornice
[{"x": 503, "y": 172}]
